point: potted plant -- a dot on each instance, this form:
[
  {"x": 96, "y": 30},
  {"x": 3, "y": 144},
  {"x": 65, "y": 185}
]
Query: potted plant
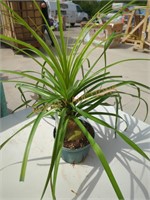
[{"x": 69, "y": 101}]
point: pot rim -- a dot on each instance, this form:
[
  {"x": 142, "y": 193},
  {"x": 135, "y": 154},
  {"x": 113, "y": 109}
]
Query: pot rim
[{"x": 75, "y": 150}]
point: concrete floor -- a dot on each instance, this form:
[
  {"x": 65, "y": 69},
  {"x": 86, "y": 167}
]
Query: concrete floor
[{"x": 133, "y": 70}]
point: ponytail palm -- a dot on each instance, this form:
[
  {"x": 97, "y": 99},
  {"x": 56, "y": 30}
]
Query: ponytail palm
[{"x": 61, "y": 95}]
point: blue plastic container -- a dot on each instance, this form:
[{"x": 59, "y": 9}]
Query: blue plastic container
[
  {"x": 75, "y": 156},
  {"x": 3, "y": 103}
]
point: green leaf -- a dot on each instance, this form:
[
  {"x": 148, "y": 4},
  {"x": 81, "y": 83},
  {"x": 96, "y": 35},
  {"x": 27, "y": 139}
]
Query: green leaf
[
  {"x": 58, "y": 143},
  {"x": 99, "y": 153},
  {"x": 25, "y": 126},
  {"x": 28, "y": 146},
  {"x": 132, "y": 144},
  {"x": 105, "y": 124}
]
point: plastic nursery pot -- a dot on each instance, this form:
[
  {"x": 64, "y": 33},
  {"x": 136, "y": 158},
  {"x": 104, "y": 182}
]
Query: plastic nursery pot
[
  {"x": 75, "y": 156},
  {"x": 78, "y": 153}
]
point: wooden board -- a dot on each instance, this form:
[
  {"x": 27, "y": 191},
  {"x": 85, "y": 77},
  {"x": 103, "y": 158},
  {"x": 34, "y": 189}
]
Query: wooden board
[{"x": 30, "y": 13}]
